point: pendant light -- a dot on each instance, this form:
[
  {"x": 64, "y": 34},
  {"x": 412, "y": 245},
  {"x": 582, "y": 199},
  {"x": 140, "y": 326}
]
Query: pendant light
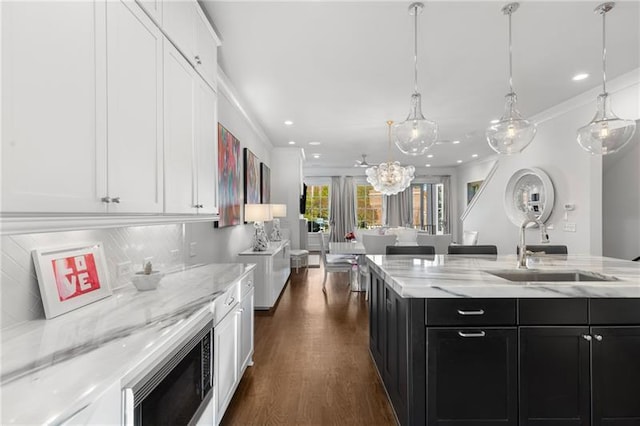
[
  {"x": 390, "y": 178},
  {"x": 416, "y": 134},
  {"x": 606, "y": 133},
  {"x": 512, "y": 133}
]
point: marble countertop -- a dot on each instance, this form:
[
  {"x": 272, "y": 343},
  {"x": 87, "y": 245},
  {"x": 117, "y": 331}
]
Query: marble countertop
[
  {"x": 273, "y": 248},
  {"x": 50, "y": 369},
  {"x": 443, "y": 276}
]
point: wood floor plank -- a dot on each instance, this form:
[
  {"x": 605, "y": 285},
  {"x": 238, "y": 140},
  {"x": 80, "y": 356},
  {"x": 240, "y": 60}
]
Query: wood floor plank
[{"x": 311, "y": 361}]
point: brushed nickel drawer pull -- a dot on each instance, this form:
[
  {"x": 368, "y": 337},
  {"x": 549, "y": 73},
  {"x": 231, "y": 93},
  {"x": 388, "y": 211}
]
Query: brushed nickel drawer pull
[
  {"x": 464, "y": 313},
  {"x": 586, "y": 337},
  {"x": 597, "y": 337},
  {"x": 478, "y": 334}
]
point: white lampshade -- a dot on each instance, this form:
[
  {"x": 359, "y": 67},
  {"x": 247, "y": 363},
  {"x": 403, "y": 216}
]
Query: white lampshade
[
  {"x": 279, "y": 210},
  {"x": 257, "y": 212}
]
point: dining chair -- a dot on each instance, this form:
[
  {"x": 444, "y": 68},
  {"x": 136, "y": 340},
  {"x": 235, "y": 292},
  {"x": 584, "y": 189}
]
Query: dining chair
[
  {"x": 335, "y": 263},
  {"x": 547, "y": 249},
  {"x": 439, "y": 242},
  {"x": 470, "y": 238},
  {"x": 430, "y": 250},
  {"x": 473, "y": 249}
]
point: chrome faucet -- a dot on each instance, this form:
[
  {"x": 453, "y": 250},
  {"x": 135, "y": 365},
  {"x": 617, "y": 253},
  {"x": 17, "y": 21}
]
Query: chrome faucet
[{"x": 522, "y": 247}]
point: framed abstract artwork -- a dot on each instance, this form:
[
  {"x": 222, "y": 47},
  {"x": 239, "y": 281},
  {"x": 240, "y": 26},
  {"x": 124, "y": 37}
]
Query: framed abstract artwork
[
  {"x": 70, "y": 278},
  {"x": 472, "y": 189},
  {"x": 265, "y": 184},
  {"x": 229, "y": 175},
  {"x": 251, "y": 178}
]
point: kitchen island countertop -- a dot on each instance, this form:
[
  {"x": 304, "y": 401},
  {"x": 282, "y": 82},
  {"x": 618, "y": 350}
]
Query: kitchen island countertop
[{"x": 446, "y": 276}]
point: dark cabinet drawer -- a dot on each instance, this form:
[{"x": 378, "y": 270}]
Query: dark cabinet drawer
[
  {"x": 553, "y": 311},
  {"x": 470, "y": 312},
  {"x": 615, "y": 311}
]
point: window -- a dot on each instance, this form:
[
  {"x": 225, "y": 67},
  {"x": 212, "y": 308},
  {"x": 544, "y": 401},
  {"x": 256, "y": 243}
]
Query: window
[
  {"x": 428, "y": 210},
  {"x": 317, "y": 207},
  {"x": 369, "y": 206}
]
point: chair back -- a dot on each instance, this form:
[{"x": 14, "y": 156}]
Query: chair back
[
  {"x": 429, "y": 250},
  {"x": 464, "y": 249},
  {"x": 377, "y": 244},
  {"x": 440, "y": 242},
  {"x": 470, "y": 238},
  {"x": 545, "y": 248}
]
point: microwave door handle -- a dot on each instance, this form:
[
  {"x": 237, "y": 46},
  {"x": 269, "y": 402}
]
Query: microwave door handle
[{"x": 128, "y": 411}]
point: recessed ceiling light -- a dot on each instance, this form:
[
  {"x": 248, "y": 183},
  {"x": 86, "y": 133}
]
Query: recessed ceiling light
[
  {"x": 288, "y": 123},
  {"x": 580, "y": 76},
  {"x": 292, "y": 142},
  {"x": 474, "y": 155},
  {"x": 455, "y": 142},
  {"x": 459, "y": 161},
  {"x": 494, "y": 121},
  {"x": 316, "y": 155},
  {"x": 430, "y": 156},
  {"x": 314, "y": 143},
  {"x": 427, "y": 165}
]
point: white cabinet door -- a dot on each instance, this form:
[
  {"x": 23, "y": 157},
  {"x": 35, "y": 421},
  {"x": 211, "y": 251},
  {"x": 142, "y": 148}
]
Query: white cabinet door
[
  {"x": 246, "y": 331},
  {"x": 178, "y": 22},
  {"x": 53, "y": 106},
  {"x": 225, "y": 361},
  {"x": 206, "y": 53},
  {"x": 179, "y": 79},
  {"x": 134, "y": 97},
  {"x": 206, "y": 148},
  {"x": 153, "y": 9}
]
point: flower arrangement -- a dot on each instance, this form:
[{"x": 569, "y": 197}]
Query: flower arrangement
[{"x": 349, "y": 236}]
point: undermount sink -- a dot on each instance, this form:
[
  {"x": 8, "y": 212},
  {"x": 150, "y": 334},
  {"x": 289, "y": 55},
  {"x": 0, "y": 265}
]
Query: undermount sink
[{"x": 550, "y": 276}]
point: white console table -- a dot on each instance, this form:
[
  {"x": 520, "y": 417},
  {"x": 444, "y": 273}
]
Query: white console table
[{"x": 273, "y": 267}]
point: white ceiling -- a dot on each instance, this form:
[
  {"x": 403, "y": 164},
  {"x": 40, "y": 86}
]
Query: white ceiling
[{"x": 339, "y": 70}]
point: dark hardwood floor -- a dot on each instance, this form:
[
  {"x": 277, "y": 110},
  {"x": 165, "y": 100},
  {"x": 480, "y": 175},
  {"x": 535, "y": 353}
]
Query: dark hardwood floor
[{"x": 311, "y": 362}]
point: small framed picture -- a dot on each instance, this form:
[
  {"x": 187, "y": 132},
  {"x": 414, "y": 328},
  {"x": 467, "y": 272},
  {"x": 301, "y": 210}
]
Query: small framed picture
[{"x": 70, "y": 278}]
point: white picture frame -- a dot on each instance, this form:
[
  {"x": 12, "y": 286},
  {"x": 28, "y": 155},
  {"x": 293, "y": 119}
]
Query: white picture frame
[{"x": 71, "y": 277}]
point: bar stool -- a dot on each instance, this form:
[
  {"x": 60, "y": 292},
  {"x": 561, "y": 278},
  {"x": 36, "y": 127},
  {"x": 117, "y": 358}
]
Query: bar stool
[{"x": 299, "y": 258}]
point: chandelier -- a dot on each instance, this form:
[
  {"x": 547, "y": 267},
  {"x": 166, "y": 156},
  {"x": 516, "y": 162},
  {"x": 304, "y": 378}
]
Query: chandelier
[
  {"x": 390, "y": 178},
  {"x": 512, "y": 133},
  {"x": 416, "y": 134},
  {"x": 606, "y": 133}
]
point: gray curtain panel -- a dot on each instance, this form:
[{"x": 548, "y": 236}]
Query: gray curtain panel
[
  {"x": 349, "y": 220},
  {"x": 397, "y": 209},
  {"x": 342, "y": 209},
  {"x": 336, "y": 232},
  {"x": 446, "y": 205}
]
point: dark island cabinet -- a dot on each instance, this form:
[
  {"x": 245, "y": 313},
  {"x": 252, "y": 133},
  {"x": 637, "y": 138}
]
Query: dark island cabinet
[
  {"x": 472, "y": 376},
  {"x": 490, "y": 362}
]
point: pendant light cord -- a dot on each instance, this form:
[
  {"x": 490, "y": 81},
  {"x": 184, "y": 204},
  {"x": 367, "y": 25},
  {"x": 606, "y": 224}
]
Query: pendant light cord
[
  {"x": 415, "y": 49},
  {"x": 604, "y": 54},
  {"x": 510, "y": 58},
  {"x": 389, "y": 123}
]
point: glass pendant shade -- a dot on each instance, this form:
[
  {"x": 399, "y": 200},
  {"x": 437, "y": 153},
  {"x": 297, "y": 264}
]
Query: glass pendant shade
[
  {"x": 416, "y": 134},
  {"x": 512, "y": 133},
  {"x": 606, "y": 133}
]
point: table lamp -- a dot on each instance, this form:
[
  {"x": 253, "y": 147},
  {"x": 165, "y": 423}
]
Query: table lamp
[
  {"x": 277, "y": 210},
  {"x": 258, "y": 213}
]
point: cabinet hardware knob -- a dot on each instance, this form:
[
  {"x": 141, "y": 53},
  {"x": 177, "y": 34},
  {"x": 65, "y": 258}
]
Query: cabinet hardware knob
[
  {"x": 230, "y": 302},
  {"x": 597, "y": 337},
  {"x": 249, "y": 283},
  {"x": 105, "y": 199},
  {"x": 587, "y": 337},
  {"x": 115, "y": 200},
  {"x": 477, "y": 334},
  {"x": 198, "y": 61},
  {"x": 478, "y": 312},
  {"x": 241, "y": 310}
]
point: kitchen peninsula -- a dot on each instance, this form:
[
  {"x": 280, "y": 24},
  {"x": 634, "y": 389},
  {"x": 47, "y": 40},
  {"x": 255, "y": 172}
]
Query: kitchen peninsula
[{"x": 456, "y": 344}]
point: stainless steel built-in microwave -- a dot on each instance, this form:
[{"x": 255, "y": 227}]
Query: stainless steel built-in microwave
[{"x": 178, "y": 389}]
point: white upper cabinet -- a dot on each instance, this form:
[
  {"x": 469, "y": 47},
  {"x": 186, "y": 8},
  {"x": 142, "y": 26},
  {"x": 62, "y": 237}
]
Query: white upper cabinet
[
  {"x": 179, "y": 117},
  {"x": 206, "y": 55},
  {"x": 53, "y": 107},
  {"x": 206, "y": 148},
  {"x": 134, "y": 119}
]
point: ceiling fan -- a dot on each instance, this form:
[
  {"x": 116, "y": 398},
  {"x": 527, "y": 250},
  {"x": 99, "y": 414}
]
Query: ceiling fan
[{"x": 363, "y": 162}]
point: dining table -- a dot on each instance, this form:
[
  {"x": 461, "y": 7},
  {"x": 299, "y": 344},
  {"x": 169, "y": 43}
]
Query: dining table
[{"x": 351, "y": 248}]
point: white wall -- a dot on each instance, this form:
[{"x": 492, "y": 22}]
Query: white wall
[
  {"x": 576, "y": 175},
  {"x": 621, "y": 201},
  {"x": 286, "y": 187}
]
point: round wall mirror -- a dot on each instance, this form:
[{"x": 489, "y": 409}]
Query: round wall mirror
[{"x": 529, "y": 191}]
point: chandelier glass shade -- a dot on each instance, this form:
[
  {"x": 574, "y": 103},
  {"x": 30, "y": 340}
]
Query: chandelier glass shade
[
  {"x": 512, "y": 133},
  {"x": 390, "y": 177},
  {"x": 416, "y": 134},
  {"x": 606, "y": 133}
]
